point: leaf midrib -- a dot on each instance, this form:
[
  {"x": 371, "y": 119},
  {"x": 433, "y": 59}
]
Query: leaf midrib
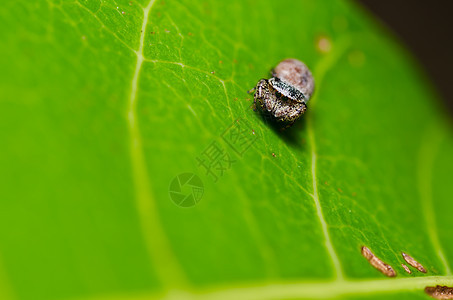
[{"x": 292, "y": 289}]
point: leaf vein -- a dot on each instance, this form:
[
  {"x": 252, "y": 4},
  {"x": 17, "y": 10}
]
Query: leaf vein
[{"x": 160, "y": 253}]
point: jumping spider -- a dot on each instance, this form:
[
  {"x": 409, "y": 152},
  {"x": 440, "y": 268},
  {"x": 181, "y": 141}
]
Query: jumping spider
[{"x": 284, "y": 97}]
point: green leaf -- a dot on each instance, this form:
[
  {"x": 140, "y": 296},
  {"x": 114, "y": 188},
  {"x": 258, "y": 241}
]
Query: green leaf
[{"x": 105, "y": 103}]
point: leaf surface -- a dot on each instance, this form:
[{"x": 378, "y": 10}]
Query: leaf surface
[{"x": 104, "y": 103}]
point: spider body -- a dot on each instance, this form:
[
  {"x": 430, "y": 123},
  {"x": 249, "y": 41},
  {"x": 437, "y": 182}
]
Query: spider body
[{"x": 284, "y": 97}]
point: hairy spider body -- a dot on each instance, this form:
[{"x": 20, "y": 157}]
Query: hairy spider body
[
  {"x": 284, "y": 97},
  {"x": 276, "y": 105}
]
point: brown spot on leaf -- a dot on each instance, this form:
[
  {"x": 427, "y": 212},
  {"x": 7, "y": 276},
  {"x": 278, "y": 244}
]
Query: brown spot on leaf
[
  {"x": 413, "y": 262},
  {"x": 406, "y": 268},
  {"x": 439, "y": 292},
  {"x": 323, "y": 44},
  {"x": 384, "y": 268}
]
